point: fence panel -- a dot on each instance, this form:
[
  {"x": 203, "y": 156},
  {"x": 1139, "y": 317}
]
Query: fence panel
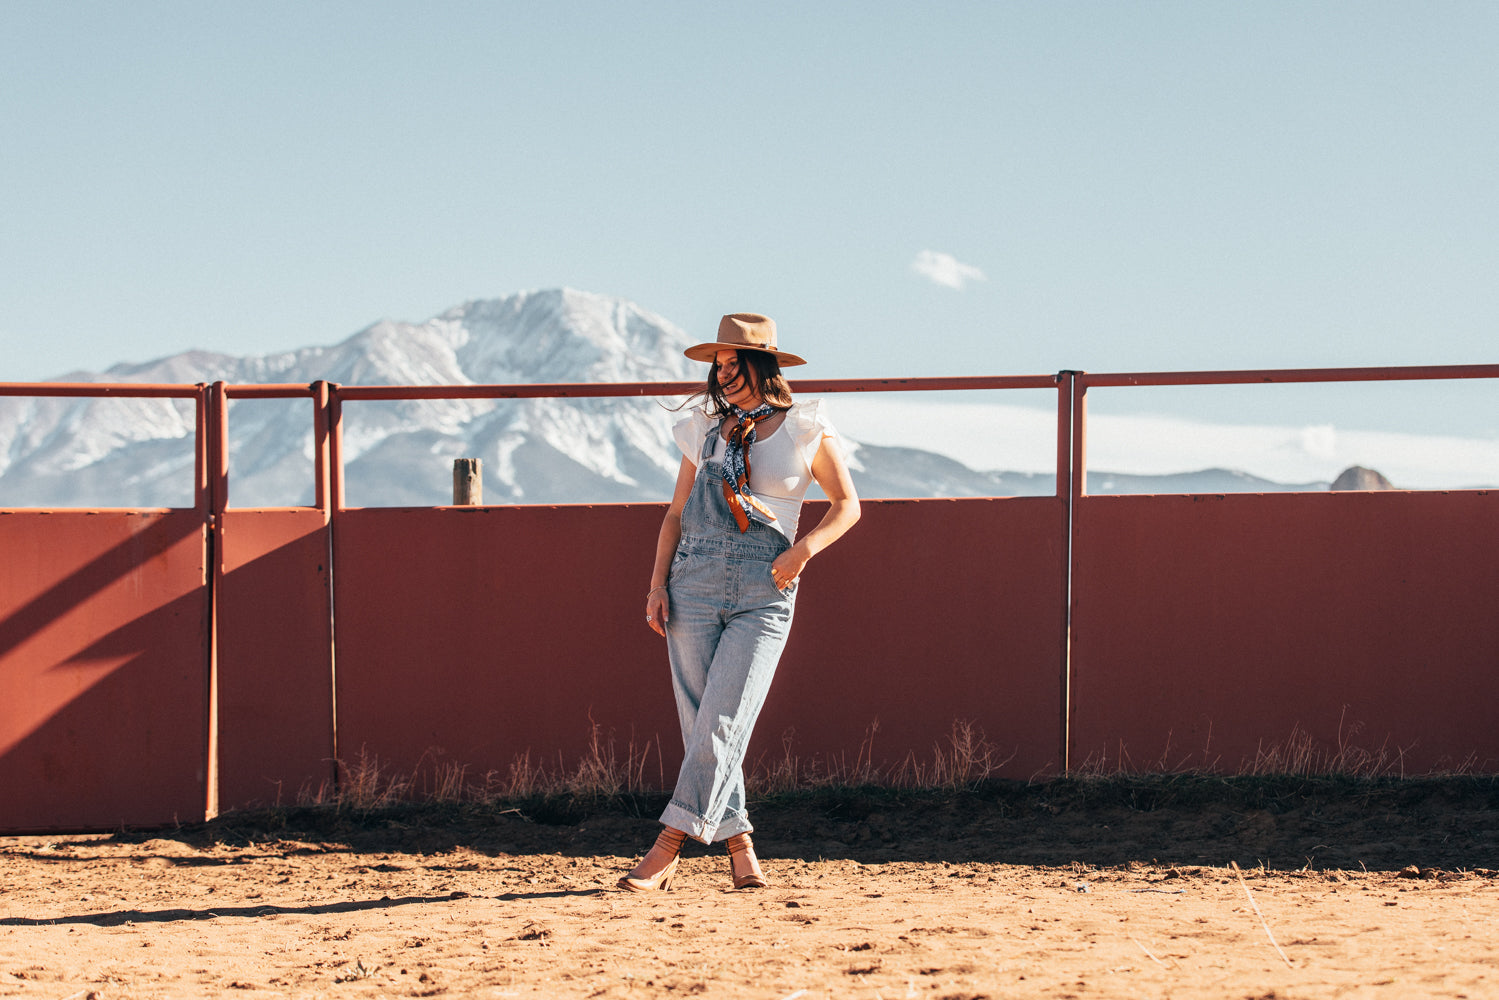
[
  {"x": 926, "y": 614},
  {"x": 275, "y": 656},
  {"x": 1207, "y": 630},
  {"x": 475, "y": 634},
  {"x": 103, "y": 662},
  {"x": 478, "y": 634}
]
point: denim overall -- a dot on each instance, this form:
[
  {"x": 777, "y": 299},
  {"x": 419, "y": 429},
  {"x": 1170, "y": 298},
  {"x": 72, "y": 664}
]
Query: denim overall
[{"x": 727, "y": 628}]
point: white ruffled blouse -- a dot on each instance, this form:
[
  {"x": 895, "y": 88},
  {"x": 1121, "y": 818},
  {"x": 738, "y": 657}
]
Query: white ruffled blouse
[{"x": 780, "y": 462}]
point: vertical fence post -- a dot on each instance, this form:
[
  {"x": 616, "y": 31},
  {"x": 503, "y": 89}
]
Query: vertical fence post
[
  {"x": 204, "y": 462},
  {"x": 322, "y": 491},
  {"x": 334, "y": 417},
  {"x": 468, "y": 482},
  {"x": 335, "y": 449},
  {"x": 202, "y": 459},
  {"x": 328, "y": 499},
  {"x": 1079, "y": 435},
  {"x": 1077, "y": 477},
  {"x": 1065, "y": 494},
  {"x": 217, "y": 456},
  {"x": 218, "y": 448}
]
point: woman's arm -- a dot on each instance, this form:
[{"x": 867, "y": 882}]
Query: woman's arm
[
  {"x": 831, "y": 473},
  {"x": 657, "y": 607}
]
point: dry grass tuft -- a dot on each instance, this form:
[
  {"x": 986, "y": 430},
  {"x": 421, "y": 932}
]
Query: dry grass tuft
[
  {"x": 366, "y": 785},
  {"x": 608, "y": 771},
  {"x": 964, "y": 758},
  {"x": 968, "y": 759},
  {"x": 602, "y": 771},
  {"x": 789, "y": 773},
  {"x": 1300, "y": 754}
]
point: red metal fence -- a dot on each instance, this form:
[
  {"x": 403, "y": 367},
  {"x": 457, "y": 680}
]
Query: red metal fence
[
  {"x": 167, "y": 664},
  {"x": 1211, "y": 630}
]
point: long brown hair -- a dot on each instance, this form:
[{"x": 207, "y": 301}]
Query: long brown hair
[{"x": 764, "y": 374}]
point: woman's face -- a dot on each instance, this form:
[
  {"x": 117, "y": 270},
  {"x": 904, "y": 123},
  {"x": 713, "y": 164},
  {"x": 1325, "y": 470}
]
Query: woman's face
[{"x": 735, "y": 382}]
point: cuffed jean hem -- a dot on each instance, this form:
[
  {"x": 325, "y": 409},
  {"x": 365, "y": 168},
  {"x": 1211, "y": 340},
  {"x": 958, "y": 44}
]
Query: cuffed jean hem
[{"x": 698, "y": 828}]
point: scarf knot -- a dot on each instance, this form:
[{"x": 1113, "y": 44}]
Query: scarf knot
[{"x": 743, "y": 504}]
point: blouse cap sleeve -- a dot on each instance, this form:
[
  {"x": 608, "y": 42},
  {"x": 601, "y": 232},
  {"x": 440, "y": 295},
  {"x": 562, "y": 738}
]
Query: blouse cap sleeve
[
  {"x": 809, "y": 425},
  {"x": 689, "y": 433}
]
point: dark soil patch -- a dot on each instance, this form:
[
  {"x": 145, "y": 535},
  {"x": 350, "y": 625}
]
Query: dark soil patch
[{"x": 1280, "y": 823}]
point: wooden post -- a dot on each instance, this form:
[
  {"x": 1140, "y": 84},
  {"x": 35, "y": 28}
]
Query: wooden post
[{"x": 468, "y": 482}]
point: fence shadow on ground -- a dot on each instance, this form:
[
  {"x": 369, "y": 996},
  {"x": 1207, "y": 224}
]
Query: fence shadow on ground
[{"x": 1284, "y": 823}]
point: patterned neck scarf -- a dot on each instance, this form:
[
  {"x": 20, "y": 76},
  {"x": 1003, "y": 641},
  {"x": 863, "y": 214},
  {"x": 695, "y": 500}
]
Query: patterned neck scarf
[{"x": 736, "y": 468}]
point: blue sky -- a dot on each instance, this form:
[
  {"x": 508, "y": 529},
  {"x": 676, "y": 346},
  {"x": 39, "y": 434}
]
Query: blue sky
[{"x": 1103, "y": 186}]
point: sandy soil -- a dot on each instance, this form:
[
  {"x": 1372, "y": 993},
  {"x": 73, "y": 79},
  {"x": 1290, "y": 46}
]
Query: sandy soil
[{"x": 1069, "y": 890}]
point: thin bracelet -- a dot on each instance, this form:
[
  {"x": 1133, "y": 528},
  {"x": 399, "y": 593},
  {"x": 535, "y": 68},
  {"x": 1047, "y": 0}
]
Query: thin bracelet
[{"x": 648, "y": 593}]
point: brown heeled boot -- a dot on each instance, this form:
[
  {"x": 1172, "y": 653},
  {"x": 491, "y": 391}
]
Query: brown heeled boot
[
  {"x": 668, "y": 843},
  {"x": 743, "y": 864}
]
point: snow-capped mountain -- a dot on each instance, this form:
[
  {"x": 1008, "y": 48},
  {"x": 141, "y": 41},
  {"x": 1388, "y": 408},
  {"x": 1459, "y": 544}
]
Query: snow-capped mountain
[
  {"x": 139, "y": 452},
  {"x": 118, "y": 452}
]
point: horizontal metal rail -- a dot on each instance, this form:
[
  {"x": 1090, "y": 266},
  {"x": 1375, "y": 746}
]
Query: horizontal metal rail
[
  {"x": 600, "y": 389},
  {"x": 270, "y": 391},
  {"x": 136, "y": 390},
  {"x": 607, "y": 389},
  {"x": 927, "y": 384},
  {"x": 538, "y": 390},
  {"x": 1246, "y": 377}
]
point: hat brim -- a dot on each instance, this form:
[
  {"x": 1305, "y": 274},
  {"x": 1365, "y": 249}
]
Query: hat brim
[{"x": 709, "y": 351}]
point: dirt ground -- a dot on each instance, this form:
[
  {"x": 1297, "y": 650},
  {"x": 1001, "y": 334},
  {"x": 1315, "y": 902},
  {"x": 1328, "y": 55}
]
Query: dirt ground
[{"x": 1068, "y": 889}]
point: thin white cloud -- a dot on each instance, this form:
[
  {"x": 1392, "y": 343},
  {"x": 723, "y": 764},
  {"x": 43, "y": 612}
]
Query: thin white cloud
[
  {"x": 946, "y": 270},
  {"x": 1023, "y": 439}
]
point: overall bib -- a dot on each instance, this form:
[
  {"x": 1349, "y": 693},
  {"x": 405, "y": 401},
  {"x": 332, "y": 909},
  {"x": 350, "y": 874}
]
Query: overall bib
[{"x": 728, "y": 625}]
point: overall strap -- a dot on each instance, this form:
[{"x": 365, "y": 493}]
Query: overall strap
[{"x": 708, "y": 444}]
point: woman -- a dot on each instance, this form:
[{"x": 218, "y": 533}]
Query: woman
[
  {"x": 724, "y": 584},
  {"x": 724, "y": 580}
]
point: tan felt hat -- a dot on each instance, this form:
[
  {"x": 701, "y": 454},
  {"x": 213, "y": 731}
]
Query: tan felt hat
[{"x": 744, "y": 332}]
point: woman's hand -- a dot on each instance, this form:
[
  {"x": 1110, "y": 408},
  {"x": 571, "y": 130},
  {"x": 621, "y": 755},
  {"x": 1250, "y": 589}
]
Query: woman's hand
[
  {"x": 831, "y": 473},
  {"x": 657, "y": 605},
  {"x": 789, "y": 565},
  {"x": 658, "y": 610}
]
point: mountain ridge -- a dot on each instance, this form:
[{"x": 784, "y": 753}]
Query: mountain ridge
[{"x": 138, "y": 452}]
